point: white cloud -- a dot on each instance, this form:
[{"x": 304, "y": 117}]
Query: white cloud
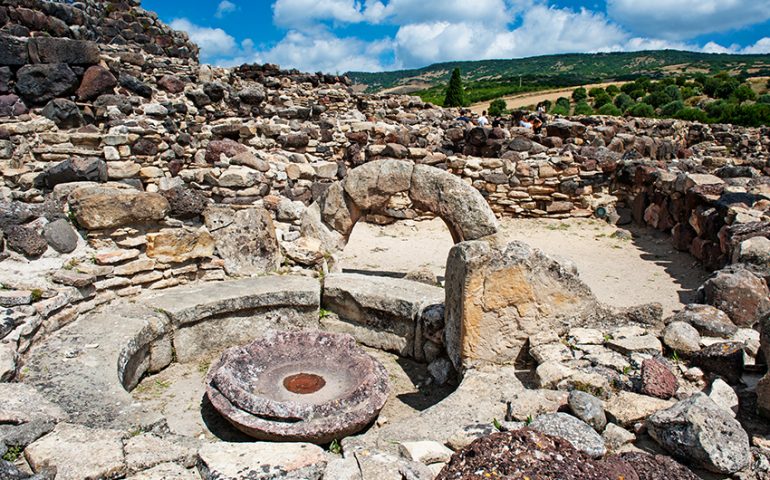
[
  {"x": 307, "y": 13},
  {"x": 762, "y": 46},
  {"x": 225, "y": 7},
  {"x": 422, "y": 11},
  {"x": 681, "y": 19},
  {"x": 325, "y": 52},
  {"x": 213, "y": 42}
]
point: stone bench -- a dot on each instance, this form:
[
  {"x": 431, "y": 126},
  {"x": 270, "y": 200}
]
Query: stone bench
[
  {"x": 391, "y": 314},
  {"x": 76, "y": 366}
]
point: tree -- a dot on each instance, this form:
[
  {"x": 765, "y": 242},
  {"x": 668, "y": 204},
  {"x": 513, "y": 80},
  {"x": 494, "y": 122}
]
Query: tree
[
  {"x": 563, "y": 102},
  {"x": 613, "y": 90},
  {"x": 498, "y": 107},
  {"x": 670, "y": 109},
  {"x": 692, "y": 115},
  {"x": 579, "y": 94},
  {"x": 595, "y": 92},
  {"x": 602, "y": 99},
  {"x": 764, "y": 98},
  {"x": 623, "y": 102},
  {"x": 455, "y": 94}
]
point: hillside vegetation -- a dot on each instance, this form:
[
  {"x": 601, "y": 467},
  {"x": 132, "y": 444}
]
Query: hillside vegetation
[{"x": 489, "y": 79}]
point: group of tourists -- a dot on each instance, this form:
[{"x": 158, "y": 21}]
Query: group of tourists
[{"x": 519, "y": 118}]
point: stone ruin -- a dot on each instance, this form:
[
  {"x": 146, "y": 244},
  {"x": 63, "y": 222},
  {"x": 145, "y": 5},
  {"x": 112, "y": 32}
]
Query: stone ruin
[{"x": 156, "y": 212}]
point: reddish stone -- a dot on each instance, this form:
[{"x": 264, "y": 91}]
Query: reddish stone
[
  {"x": 228, "y": 147},
  {"x": 11, "y": 106},
  {"x": 171, "y": 84},
  {"x": 682, "y": 236},
  {"x": 657, "y": 380},
  {"x": 740, "y": 294},
  {"x": 96, "y": 81}
]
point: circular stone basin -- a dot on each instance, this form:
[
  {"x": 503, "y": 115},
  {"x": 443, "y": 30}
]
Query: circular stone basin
[{"x": 306, "y": 386}]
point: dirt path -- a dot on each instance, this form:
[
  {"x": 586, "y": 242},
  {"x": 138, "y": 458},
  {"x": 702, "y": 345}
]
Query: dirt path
[
  {"x": 621, "y": 272},
  {"x": 527, "y": 99}
]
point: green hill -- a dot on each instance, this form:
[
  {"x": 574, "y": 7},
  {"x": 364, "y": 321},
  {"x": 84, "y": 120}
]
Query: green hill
[{"x": 566, "y": 70}]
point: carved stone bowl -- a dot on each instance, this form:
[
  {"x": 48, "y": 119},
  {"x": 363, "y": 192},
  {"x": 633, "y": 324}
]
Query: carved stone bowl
[{"x": 305, "y": 386}]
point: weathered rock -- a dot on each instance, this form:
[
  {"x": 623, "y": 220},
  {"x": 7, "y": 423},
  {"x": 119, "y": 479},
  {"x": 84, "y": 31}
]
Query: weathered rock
[
  {"x": 721, "y": 359},
  {"x": 626, "y": 408},
  {"x": 13, "y": 51},
  {"x": 63, "y": 450},
  {"x": 26, "y": 433},
  {"x": 177, "y": 246},
  {"x": 658, "y": 380},
  {"x": 96, "y": 81},
  {"x": 65, "y": 113},
  {"x": 425, "y": 452},
  {"x": 38, "y": 84},
  {"x": 261, "y": 461},
  {"x": 699, "y": 431},
  {"x": 492, "y": 288},
  {"x": 135, "y": 85},
  {"x": 739, "y": 293},
  {"x": 61, "y": 236},
  {"x": 588, "y": 408},
  {"x": 648, "y": 344},
  {"x": 643, "y": 466},
  {"x": 529, "y": 404},
  {"x": 252, "y": 95},
  {"x": 724, "y": 396},
  {"x": 681, "y": 337},
  {"x": 12, "y": 106},
  {"x": 76, "y": 170},
  {"x": 97, "y": 208},
  {"x": 26, "y": 240},
  {"x": 615, "y": 437},
  {"x": 167, "y": 471},
  {"x": 578, "y": 433},
  {"x": 16, "y": 213},
  {"x": 185, "y": 203},
  {"x": 708, "y": 320},
  {"x": 245, "y": 239},
  {"x": 147, "y": 451}
]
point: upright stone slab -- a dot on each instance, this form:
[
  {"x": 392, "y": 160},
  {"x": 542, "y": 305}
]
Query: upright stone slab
[{"x": 499, "y": 294}]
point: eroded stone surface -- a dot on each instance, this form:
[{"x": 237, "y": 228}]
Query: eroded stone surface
[{"x": 261, "y": 461}]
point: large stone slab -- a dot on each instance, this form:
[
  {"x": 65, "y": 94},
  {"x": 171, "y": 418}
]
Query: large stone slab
[
  {"x": 105, "y": 207},
  {"x": 76, "y": 452},
  {"x": 499, "y": 294},
  {"x": 245, "y": 240},
  {"x": 380, "y": 312},
  {"x": 21, "y": 403},
  {"x": 261, "y": 461},
  {"x": 192, "y": 304}
]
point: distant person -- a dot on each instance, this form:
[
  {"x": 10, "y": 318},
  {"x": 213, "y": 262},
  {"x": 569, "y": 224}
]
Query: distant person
[
  {"x": 520, "y": 121},
  {"x": 537, "y": 124},
  {"x": 483, "y": 121},
  {"x": 497, "y": 122},
  {"x": 541, "y": 111},
  {"x": 463, "y": 117}
]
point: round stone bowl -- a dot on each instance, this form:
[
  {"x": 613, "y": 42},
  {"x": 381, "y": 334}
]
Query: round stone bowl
[{"x": 305, "y": 386}]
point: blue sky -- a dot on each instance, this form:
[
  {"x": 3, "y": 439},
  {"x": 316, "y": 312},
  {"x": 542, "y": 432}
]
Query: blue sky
[{"x": 373, "y": 35}]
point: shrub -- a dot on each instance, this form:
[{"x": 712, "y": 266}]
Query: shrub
[
  {"x": 743, "y": 93},
  {"x": 610, "y": 109},
  {"x": 583, "y": 108},
  {"x": 692, "y": 115},
  {"x": 612, "y": 90},
  {"x": 601, "y": 100},
  {"x": 579, "y": 94},
  {"x": 641, "y": 110},
  {"x": 497, "y": 108},
  {"x": 671, "y": 108},
  {"x": 764, "y": 98},
  {"x": 455, "y": 94},
  {"x": 623, "y": 102},
  {"x": 560, "y": 110},
  {"x": 563, "y": 102}
]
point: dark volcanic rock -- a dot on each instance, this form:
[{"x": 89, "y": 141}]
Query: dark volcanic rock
[
  {"x": 522, "y": 454},
  {"x": 96, "y": 81},
  {"x": 65, "y": 113},
  {"x": 708, "y": 320},
  {"x": 657, "y": 379},
  {"x": 134, "y": 85},
  {"x": 185, "y": 203},
  {"x": 642, "y": 466},
  {"x": 215, "y": 91},
  {"x": 77, "y": 170},
  {"x": 16, "y": 213},
  {"x": 61, "y": 236},
  {"x": 253, "y": 95},
  {"x": 144, "y": 147},
  {"x": 294, "y": 140},
  {"x": 26, "y": 241},
  {"x": 63, "y": 50},
  {"x": 721, "y": 359},
  {"x": 6, "y": 75},
  {"x": 13, "y": 51},
  {"x": 38, "y": 84}
]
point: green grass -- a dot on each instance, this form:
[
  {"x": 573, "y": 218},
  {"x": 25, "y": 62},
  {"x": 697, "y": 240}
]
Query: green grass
[{"x": 13, "y": 453}]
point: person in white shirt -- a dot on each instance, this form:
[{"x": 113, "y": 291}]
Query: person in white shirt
[{"x": 483, "y": 121}]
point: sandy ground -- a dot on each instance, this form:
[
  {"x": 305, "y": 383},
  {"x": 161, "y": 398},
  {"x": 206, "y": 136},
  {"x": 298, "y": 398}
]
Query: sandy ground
[{"x": 621, "y": 272}]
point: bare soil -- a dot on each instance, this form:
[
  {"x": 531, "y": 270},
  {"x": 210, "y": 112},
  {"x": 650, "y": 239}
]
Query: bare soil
[
  {"x": 531, "y": 99},
  {"x": 622, "y": 272}
]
